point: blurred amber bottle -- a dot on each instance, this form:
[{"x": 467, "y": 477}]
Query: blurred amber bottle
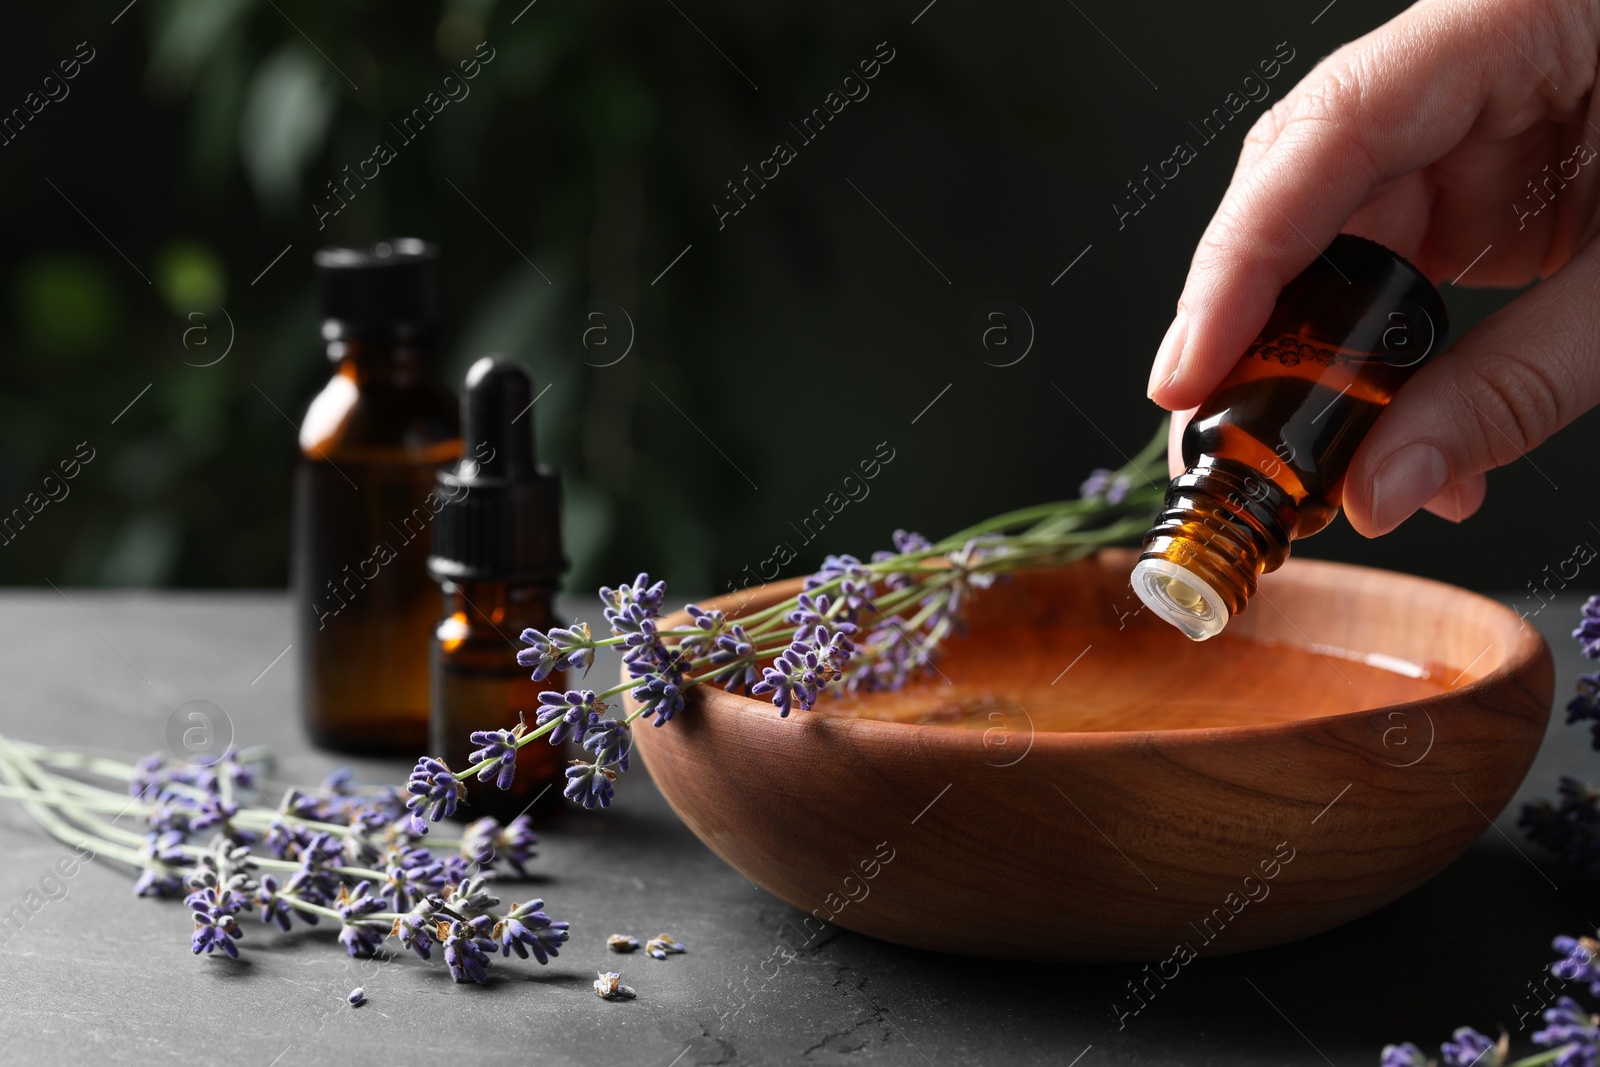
[
  {"x": 497, "y": 557},
  {"x": 1268, "y": 450},
  {"x": 364, "y": 500}
]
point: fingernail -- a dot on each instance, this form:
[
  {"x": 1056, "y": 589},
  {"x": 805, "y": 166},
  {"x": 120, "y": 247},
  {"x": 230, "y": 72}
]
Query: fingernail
[
  {"x": 1411, "y": 477},
  {"x": 1447, "y": 505},
  {"x": 1167, "y": 356}
]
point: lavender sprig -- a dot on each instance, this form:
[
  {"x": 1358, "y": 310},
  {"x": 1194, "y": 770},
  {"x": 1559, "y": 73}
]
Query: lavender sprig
[
  {"x": 857, "y": 625},
  {"x": 290, "y": 864}
]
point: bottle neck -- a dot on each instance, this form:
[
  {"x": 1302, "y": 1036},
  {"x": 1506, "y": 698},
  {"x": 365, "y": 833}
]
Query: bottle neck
[
  {"x": 1223, "y": 526},
  {"x": 384, "y": 362},
  {"x": 500, "y": 607}
]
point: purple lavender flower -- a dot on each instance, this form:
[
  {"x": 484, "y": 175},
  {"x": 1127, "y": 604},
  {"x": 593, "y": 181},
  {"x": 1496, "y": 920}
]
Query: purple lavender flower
[
  {"x": 1574, "y": 1031},
  {"x": 632, "y": 611},
  {"x": 435, "y": 792},
  {"x": 609, "y": 741},
  {"x": 661, "y": 687},
  {"x": 1585, "y": 705},
  {"x": 477, "y": 842},
  {"x": 642, "y": 592},
  {"x": 905, "y": 543},
  {"x": 471, "y": 895},
  {"x": 170, "y": 816},
  {"x": 466, "y": 949},
  {"x": 735, "y": 655},
  {"x": 360, "y": 936},
  {"x": 339, "y": 781},
  {"x": 1106, "y": 485},
  {"x": 214, "y": 924},
  {"x": 147, "y": 774},
  {"x": 457, "y": 868},
  {"x": 526, "y": 928},
  {"x": 1406, "y": 1055},
  {"x": 590, "y": 784},
  {"x": 800, "y": 672},
  {"x": 377, "y": 811},
  {"x": 274, "y": 909},
  {"x": 966, "y": 560},
  {"x": 284, "y": 839},
  {"x": 712, "y": 624},
  {"x": 409, "y": 874},
  {"x": 1588, "y": 631},
  {"x": 1570, "y": 827},
  {"x": 572, "y": 707},
  {"x": 163, "y": 848},
  {"x": 213, "y": 812},
  {"x": 1580, "y": 961},
  {"x": 516, "y": 843},
  {"x": 811, "y": 614},
  {"x": 578, "y": 645},
  {"x": 500, "y": 747},
  {"x": 311, "y": 887},
  {"x": 209, "y": 775},
  {"x": 893, "y": 655},
  {"x": 542, "y": 655},
  {"x": 561, "y": 649},
  {"x": 151, "y": 883},
  {"x": 418, "y": 927},
  {"x": 1468, "y": 1048},
  {"x": 780, "y": 679},
  {"x": 855, "y": 584},
  {"x": 909, "y": 541}
]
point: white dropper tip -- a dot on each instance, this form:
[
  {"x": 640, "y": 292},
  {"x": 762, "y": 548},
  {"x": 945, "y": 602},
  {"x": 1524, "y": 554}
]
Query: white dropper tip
[{"x": 1180, "y": 597}]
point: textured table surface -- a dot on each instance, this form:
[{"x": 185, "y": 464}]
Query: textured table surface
[{"x": 102, "y": 977}]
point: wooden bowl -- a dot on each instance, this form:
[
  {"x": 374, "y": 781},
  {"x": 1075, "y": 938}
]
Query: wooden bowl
[{"x": 1081, "y": 782}]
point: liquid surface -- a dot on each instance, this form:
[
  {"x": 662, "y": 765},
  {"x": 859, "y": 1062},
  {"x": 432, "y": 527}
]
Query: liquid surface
[{"x": 1072, "y": 680}]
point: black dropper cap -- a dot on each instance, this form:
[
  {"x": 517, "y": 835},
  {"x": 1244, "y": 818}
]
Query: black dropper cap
[
  {"x": 501, "y": 517},
  {"x": 389, "y": 292}
]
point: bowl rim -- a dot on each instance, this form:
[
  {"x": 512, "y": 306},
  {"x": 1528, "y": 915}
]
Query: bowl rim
[{"x": 1525, "y": 652}]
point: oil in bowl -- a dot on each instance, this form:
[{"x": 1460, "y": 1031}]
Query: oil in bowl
[{"x": 1071, "y": 679}]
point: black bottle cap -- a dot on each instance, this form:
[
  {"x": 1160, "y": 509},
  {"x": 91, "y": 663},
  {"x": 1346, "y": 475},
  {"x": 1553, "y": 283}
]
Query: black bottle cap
[
  {"x": 391, "y": 291},
  {"x": 500, "y": 518}
]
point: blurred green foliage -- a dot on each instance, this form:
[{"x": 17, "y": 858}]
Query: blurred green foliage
[{"x": 222, "y": 121}]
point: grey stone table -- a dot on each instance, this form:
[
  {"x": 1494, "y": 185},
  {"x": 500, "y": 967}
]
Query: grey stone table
[{"x": 101, "y": 977}]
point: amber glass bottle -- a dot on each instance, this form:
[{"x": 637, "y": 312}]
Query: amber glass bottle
[
  {"x": 364, "y": 499},
  {"x": 497, "y": 556},
  {"x": 1268, "y": 450}
]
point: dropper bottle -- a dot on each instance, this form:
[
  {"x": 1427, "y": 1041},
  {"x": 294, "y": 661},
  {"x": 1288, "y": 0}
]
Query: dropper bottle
[
  {"x": 497, "y": 557},
  {"x": 1267, "y": 452}
]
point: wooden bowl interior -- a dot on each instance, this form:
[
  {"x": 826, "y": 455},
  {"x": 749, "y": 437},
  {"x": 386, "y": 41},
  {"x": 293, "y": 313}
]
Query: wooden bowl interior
[{"x": 1071, "y": 649}]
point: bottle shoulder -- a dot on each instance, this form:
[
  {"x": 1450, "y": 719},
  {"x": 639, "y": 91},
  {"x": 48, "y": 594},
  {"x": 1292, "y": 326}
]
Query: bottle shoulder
[{"x": 418, "y": 422}]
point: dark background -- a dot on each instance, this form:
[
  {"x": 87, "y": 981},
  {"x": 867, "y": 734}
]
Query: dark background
[{"x": 796, "y": 338}]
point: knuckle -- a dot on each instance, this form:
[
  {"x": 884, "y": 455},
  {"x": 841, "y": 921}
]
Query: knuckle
[
  {"x": 1515, "y": 405},
  {"x": 1330, "y": 108}
]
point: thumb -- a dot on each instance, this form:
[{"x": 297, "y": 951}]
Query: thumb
[{"x": 1504, "y": 388}]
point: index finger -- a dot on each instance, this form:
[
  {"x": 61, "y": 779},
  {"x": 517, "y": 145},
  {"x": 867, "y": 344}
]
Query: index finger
[{"x": 1381, "y": 107}]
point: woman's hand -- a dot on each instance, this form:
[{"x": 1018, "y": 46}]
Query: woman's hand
[{"x": 1456, "y": 128}]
